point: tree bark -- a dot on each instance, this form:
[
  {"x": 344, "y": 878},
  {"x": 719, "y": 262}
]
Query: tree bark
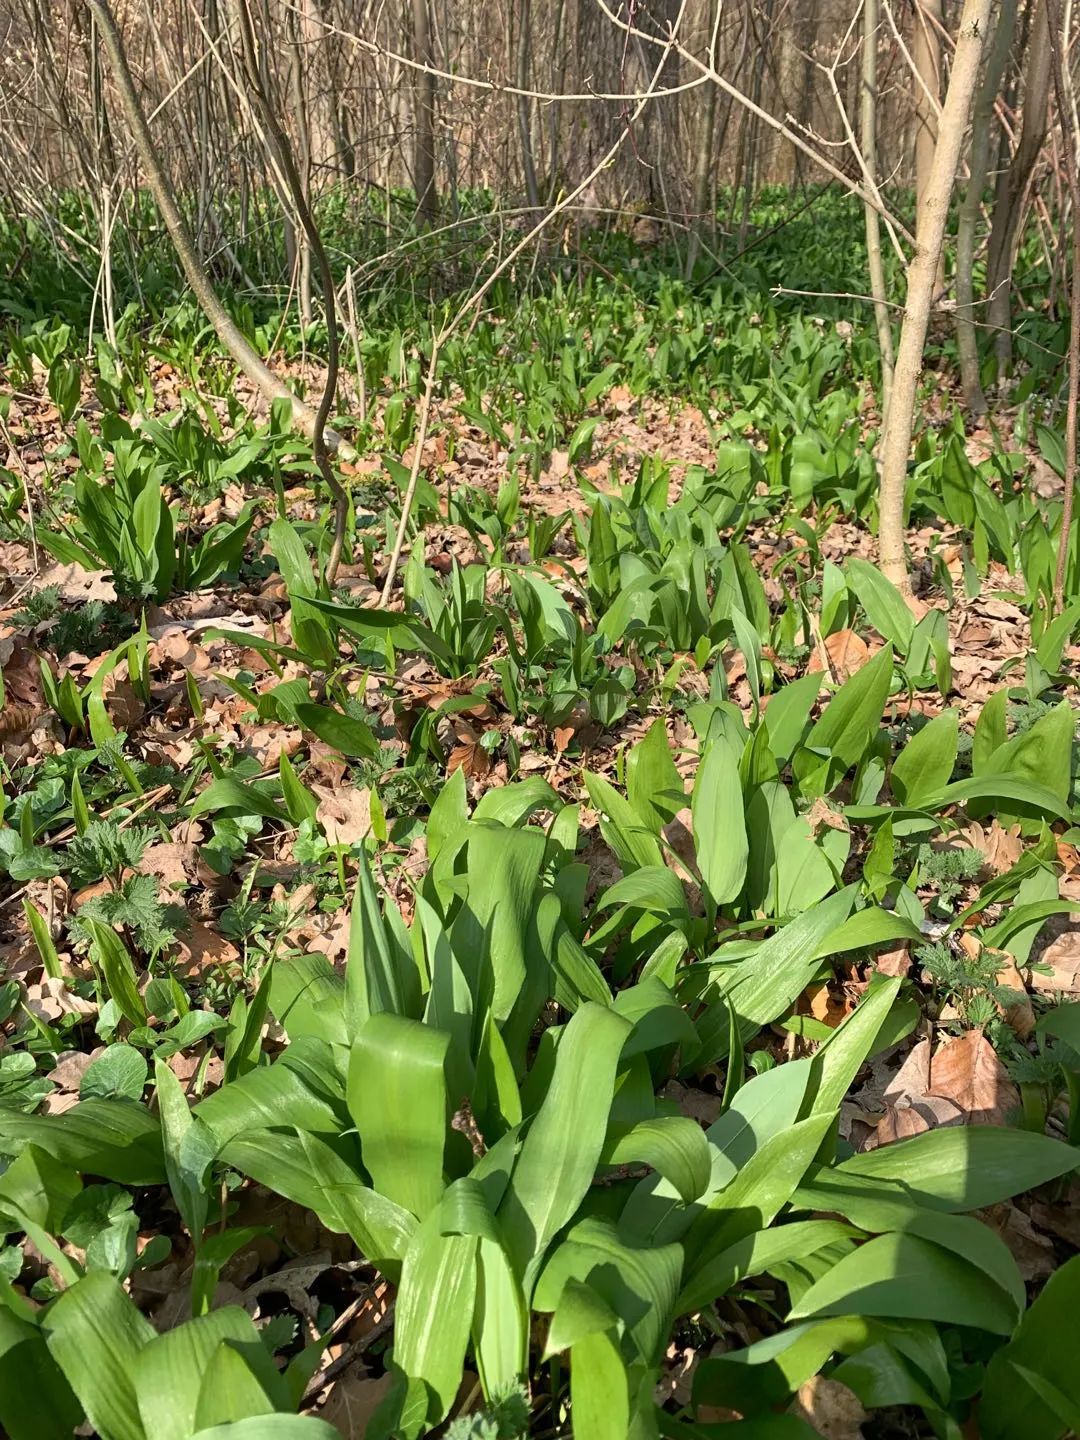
[
  {"x": 926, "y": 54},
  {"x": 427, "y": 201},
  {"x": 971, "y": 209},
  {"x": 921, "y": 276},
  {"x": 868, "y": 141},
  {"x": 1010, "y": 207},
  {"x": 231, "y": 337},
  {"x": 528, "y": 161}
]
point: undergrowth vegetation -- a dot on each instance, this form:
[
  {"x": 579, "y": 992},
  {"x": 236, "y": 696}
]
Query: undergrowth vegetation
[{"x": 496, "y": 997}]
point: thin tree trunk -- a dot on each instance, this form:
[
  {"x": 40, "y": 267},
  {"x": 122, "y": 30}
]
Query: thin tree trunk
[
  {"x": 1009, "y": 210},
  {"x": 926, "y": 53},
  {"x": 528, "y": 162},
  {"x": 1070, "y": 145},
  {"x": 971, "y": 209},
  {"x": 703, "y": 161},
  {"x": 921, "y": 277},
  {"x": 231, "y": 337},
  {"x": 868, "y": 140},
  {"x": 427, "y": 201}
]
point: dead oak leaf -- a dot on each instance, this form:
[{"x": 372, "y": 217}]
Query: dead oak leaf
[
  {"x": 345, "y": 815},
  {"x": 201, "y": 948}
]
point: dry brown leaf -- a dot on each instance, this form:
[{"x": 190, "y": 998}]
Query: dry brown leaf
[
  {"x": 968, "y": 1073},
  {"x": 562, "y": 735},
  {"x": 830, "y": 1408},
  {"x": 1001, "y": 848},
  {"x": 846, "y": 651},
  {"x": 1032, "y": 1250},
  {"x": 345, "y": 815},
  {"x": 1062, "y": 957},
  {"x": 77, "y": 584},
  {"x": 699, "y": 1105},
  {"x": 171, "y": 862},
  {"x": 200, "y": 948},
  {"x": 1018, "y": 1012},
  {"x": 353, "y": 1399},
  {"x": 895, "y": 962}
]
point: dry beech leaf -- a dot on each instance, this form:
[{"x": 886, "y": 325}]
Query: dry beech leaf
[
  {"x": 1018, "y": 1012},
  {"x": 562, "y": 735},
  {"x": 1032, "y": 1250},
  {"x": 830, "y": 1408},
  {"x": 968, "y": 1073},
  {"x": 846, "y": 651}
]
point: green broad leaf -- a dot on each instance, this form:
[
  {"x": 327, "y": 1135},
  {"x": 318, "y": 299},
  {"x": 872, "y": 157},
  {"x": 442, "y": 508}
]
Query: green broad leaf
[
  {"x": 277, "y": 1095},
  {"x": 374, "y": 973},
  {"x": 763, "y": 1375},
  {"x": 1028, "y": 1379},
  {"x": 308, "y": 1172},
  {"x": 765, "y": 984},
  {"x": 991, "y": 731},
  {"x": 36, "y": 1402},
  {"x": 119, "y": 1072},
  {"x": 449, "y": 815},
  {"x": 170, "y": 1369},
  {"x": 344, "y": 733},
  {"x": 434, "y": 1312},
  {"x": 885, "y": 607},
  {"x": 594, "y": 1254},
  {"x": 228, "y": 793},
  {"x": 405, "y": 632},
  {"x": 95, "y": 1335},
  {"x": 905, "y": 1277},
  {"x": 118, "y": 968},
  {"x": 757, "y": 1193},
  {"x": 672, "y": 1145},
  {"x": 501, "y": 1321},
  {"x": 398, "y": 1100},
  {"x": 867, "y": 928},
  {"x": 720, "y": 842},
  {"x": 311, "y": 633},
  {"x": 46, "y": 947},
  {"x": 581, "y": 1311},
  {"x": 116, "y": 1139},
  {"x": 39, "y": 1187},
  {"x": 756, "y": 1254},
  {"x": 839, "y": 1059},
  {"x": 1063, "y": 1022},
  {"x": 626, "y": 831},
  {"x": 272, "y": 1427},
  {"x": 564, "y": 1143},
  {"x": 787, "y": 716},
  {"x": 300, "y": 803},
  {"x": 849, "y": 723},
  {"x": 599, "y": 1388},
  {"x": 953, "y": 1169},
  {"x": 652, "y": 887},
  {"x": 925, "y": 765},
  {"x": 1022, "y": 795},
  {"x": 190, "y": 1147},
  {"x": 229, "y": 1391},
  {"x": 1001, "y": 935},
  {"x": 1041, "y": 755},
  {"x": 503, "y": 874},
  {"x": 654, "y": 786}
]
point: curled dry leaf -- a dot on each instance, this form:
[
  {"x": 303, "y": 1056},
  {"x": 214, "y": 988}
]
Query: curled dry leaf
[{"x": 1000, "y": 848}]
